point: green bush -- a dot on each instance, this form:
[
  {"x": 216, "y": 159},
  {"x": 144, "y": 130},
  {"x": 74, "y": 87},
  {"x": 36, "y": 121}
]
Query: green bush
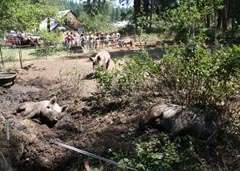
[
  {"x": 160, "y": 153},
  {"x": 50, "y": 38},
  {"x": 187, "y": 74},
  {"x": 129, "y": 78},
  {"x": 193, "y": 74}
]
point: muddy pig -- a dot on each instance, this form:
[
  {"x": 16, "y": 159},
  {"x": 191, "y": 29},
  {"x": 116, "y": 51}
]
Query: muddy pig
[
  {"x": 180, "y": 120},
  {"x": 47, "y": 112},
  {"x": 101, "y": 59}
]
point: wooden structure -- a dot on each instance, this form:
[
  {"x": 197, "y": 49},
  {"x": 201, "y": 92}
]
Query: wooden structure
[{"x": 70, "y": 19}]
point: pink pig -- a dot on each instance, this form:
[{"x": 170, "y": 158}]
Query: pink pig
[{"x": 47, "y": 112}]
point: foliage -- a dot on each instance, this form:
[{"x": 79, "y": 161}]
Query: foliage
[
  {"x": 98, "y": 23},
  {"x": 130, "y": 75},
  {"x": 24, "y": 15},
  {"x": 187, "y": 74},
  {"x": 96, "y": 19},
  {"x": 187, "y": 17},
  {"x": 185, "y": 20},
  {"x": 50, "y": 38},
  {"x": 160, "y": 153},
  {"x": 196, "y": 75}
]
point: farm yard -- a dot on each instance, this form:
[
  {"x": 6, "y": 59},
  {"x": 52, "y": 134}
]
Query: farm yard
[
  {"x": 96, "y": 130},
  {"x": 98, "y": 127},
  {"x": 120, "y": 85}
]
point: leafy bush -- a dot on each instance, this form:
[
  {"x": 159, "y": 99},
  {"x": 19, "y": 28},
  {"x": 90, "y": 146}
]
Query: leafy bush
[
  {"x": 187, "y": 74},
  {"x": 50, "y": 38},
  {"x": 129, "y": 78},
  {"x": 160, "y": 153},
  {"x": 98, "y": 23},
  {"x": 193, "y": 74}
]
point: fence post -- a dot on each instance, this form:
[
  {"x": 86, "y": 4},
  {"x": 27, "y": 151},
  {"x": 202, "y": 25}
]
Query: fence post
[
  {"x": 7, "y": 129},
  {"x": 1, "y": 56},
  {"x": 20, "y": 58}
]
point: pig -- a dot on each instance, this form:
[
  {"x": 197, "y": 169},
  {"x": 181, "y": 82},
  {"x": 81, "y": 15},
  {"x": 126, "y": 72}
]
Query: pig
[
  {"x": 125, "y": 42},
  {"x": 47, "y": 112},
  {"x": 101, "y": 59},
  {"x": 180, "y": 120}
]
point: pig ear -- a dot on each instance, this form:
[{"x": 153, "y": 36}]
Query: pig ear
[
  {"x": 53, "y": 100},
  {"x": 98, "y": 58},
  {"x": 64, "y": 108}
]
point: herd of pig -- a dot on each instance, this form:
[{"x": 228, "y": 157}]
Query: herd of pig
[{"x": 170, "y": 118}]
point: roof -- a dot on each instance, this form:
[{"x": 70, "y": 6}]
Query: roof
[
  {"x": 53, "y": 24},
  {"x": 65, "y": 12}
]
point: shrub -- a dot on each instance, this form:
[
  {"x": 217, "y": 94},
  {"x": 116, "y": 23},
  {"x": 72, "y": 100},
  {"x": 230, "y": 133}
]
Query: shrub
[
  {"x": 50, "y": 38},
  {"x": 160, "y": 153},
  {"x": 129, "y": 78},
  {"x": 187, "y": 74},
  {"x": 193, "y": 74}
]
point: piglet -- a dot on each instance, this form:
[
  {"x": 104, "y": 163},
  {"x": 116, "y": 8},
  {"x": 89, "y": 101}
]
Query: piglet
[{"x": 47, "y": 112}]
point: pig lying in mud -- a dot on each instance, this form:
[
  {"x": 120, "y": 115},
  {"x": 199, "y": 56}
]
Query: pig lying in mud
[
  {"x": 101, "y": 59},
  {"x": 47, "y": 112},
  {"x": 180, "y": 120}
]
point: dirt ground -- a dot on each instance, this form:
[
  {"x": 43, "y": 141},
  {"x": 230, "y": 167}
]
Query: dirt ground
[{"x": 82, "y": 127}]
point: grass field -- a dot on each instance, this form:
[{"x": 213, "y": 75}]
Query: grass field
[{"x": 29, "y": 53}]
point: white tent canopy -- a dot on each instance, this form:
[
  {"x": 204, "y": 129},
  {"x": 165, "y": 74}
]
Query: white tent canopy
[{"x": 53, "y": 24}]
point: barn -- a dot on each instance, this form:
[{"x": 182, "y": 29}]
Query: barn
[{"x": 70, "y": 21}]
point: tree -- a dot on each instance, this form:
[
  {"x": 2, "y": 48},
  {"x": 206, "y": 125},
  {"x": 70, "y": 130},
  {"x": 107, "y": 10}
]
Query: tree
[
  {"x": 118, "y": 14},
  {"x": 234, "y": 14},
  {"x": 113, "y": 15},
  {"x": 23, "y": 15}
]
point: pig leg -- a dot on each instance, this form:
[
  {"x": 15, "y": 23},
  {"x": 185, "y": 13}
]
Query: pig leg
[
  {"x": 107, "y": 64},
  {"x": 31, "y": 114},
  {"x": 21, "y": 108}
]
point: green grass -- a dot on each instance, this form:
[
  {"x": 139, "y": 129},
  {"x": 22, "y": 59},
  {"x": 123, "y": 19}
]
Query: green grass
[{"x": 13, "y": 54}]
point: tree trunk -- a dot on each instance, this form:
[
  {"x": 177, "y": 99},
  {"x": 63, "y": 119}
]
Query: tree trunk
[
  {"x": 137, "y": 10},
  {"x": 137, "y": 7},
  {"x": 219, "y": 18},
  {"x": 208, "y": 21},
  {"x": 225, "y": 15}
]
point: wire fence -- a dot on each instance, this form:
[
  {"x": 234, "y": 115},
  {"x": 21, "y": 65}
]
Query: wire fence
[
  {"x": 23, "y": 54},
  {"x": 10, "y": 124},
  {"x": 27, "y": 53}
]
